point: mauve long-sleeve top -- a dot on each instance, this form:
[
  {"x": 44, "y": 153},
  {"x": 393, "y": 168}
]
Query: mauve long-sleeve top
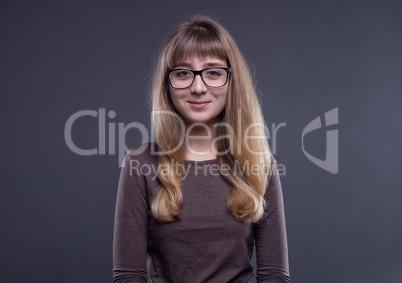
[{"x": 207, "y": 244}]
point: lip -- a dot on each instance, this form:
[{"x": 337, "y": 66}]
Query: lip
[{"x": 199, "y": 104}]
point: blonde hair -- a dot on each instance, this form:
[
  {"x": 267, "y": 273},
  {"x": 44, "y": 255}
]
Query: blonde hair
[{"x": 201, "y": 36}]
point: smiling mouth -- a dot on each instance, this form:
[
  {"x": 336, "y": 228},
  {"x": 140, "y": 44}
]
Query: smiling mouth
[{"x": 201, "y": 104}]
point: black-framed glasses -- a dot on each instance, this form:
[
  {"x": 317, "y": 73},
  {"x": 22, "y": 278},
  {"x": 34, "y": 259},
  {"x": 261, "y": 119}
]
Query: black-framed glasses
[{"x": 212, "y": 77}]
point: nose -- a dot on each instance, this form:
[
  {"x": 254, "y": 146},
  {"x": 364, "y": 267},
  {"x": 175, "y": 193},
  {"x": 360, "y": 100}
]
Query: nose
[{"x": 198, "y": 86}]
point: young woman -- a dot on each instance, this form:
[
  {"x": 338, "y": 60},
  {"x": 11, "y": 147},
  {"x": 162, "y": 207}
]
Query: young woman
[{"x": 191, "y": 205}]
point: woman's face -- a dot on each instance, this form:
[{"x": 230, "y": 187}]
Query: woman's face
[{"x": 199, "y": 102}]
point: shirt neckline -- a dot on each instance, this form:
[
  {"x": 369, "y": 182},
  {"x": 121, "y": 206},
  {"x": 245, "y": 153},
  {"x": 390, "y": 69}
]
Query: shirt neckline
[{"x": 208, "y": 161}]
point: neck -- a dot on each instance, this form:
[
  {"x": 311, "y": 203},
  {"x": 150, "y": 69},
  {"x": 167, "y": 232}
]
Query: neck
[{"x": 199, "y": 144}]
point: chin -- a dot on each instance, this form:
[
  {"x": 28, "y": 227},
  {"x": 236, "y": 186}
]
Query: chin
[{"x": 203, "y": 121}]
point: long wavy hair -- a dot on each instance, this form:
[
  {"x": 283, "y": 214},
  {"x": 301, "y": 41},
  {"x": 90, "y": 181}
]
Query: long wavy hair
[{"x": 248, "y": 159}]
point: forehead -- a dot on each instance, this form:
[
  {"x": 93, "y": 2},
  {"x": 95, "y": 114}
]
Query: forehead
[{"x": 201, "y": 62}]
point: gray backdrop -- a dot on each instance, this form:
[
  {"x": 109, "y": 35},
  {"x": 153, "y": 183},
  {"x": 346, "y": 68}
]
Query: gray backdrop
[{"x": 307, "y": 57}]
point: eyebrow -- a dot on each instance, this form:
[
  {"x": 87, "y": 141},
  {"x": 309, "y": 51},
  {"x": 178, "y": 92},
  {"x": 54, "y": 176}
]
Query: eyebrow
[{"x": 206, "y": 65}]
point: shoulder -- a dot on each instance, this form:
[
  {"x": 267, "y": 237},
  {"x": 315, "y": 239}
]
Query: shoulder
[{"x": 273, "y": 173}]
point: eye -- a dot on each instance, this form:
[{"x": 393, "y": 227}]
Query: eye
[
  {"x": 182, "y": 73},
  {"x": 214, "y": 73}
]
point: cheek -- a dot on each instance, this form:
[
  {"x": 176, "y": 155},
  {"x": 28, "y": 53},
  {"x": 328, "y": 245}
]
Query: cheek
[
  {"x": 174, "y": 95},
  {"x": 222, "y": 95},
  {"x": 225, "y": 98},
  {"x": 221, "y": 99},
  {"x": 177, "y": 101},
  {"x": 177, "y": 93}
]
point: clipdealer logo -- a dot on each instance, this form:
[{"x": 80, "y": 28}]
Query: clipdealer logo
[
  {"x": 122, "y": 130},
  {"x": 330, "y": 163}
]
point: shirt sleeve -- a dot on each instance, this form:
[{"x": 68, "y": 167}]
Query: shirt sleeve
[
  {"x": 130, "y": 226},
  {"x": 270, "y": 234}
]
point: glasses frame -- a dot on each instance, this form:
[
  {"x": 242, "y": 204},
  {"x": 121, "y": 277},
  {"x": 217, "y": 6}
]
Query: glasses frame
[{"x": 199, "y": 72}]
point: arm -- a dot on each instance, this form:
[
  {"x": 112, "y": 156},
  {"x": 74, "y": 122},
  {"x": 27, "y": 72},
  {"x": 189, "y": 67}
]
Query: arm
[
  {"x": 130, "y": 227},
  {"x": 270, "y": 234}
]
